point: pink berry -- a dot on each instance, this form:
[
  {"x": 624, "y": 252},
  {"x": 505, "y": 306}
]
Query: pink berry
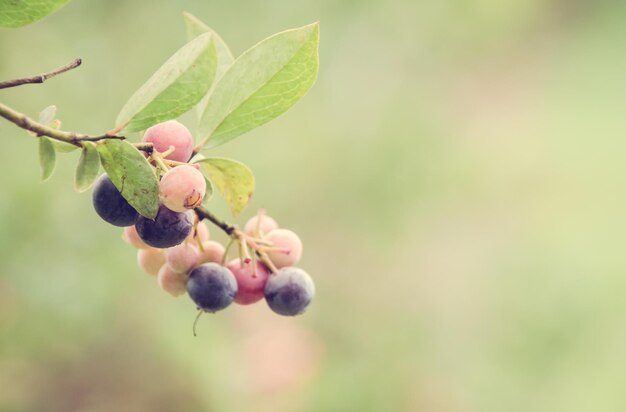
[
  {"x": 182, "y": 188},
  {"x": 172, "y": 282},
  {"x": 150, "y": 260},
  {"x": 201, "y": 232},
  {"x": 212, "y": 252},
  {"x": 250, "y": 288},
  {"x": 287, "y": 247},
  {"x": 267, "y": 225},
  {"x": 171, "y": 133},
  {"x": 131, "y": 237},
  {"x": 182, "y": 258}
]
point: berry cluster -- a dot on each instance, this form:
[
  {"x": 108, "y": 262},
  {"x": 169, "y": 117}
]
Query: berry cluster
[{"x": 176, "y": 248}]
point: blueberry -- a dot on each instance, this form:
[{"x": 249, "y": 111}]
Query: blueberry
[
  {"x": 166, "y": 230},
  {"x": 212, "y": 287},
  {"x": 110, "y": 205},
  {"x": 289, "y": 291}
]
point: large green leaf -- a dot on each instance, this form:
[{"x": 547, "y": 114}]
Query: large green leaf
[
  {"x": 16, "y": 13},
  {"x": 131, "y": 174},
  {"x": 233, "y": 180},
  {"x": 88, "y": 167},
  {"x": 47, "y": 157},
  {"x": 261, "y": 84},
  {"x": 225, "y": 58},
  {"x": 175, "y": 88}
]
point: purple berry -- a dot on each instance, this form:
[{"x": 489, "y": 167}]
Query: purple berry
[
  {"x": 289, "y": 291},
  {"x": 166, "y": 230},
  {"x": 212, "y": 287},
  {"x": 110, "y": 205}
]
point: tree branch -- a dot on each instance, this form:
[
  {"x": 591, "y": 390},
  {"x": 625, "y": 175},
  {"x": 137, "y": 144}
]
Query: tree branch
[
  {"x": 23, "y": 121},
  {"x": 205, "y": 214},
  {"x": 40, "y": 78}
]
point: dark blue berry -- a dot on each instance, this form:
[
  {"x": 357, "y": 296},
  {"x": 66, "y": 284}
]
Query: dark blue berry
[
  {"x": 110, "y": 205},
  {"x": 289, "y": 291},
  {"x": 166, "y": 230},
  {"x": 212, "y": 287}
]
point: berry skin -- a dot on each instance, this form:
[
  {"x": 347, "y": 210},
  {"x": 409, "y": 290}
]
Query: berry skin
[
  {"x": 166, "y": 230},
  {"x": 172, "y": 282},
  {"x": 171, "y": 133},
  {"x": 150, "y": 260},
  {"x": 182, "y": 188},
  {"x": 131, "y": 236},
  {"x": 267, "y": 225},
  {"x": 250, "y": 288},
  {"x": 212, "y": 252},
  {"x": 290, "y": 245},
  {"x": 212, "y": 287},
  {"x": 182, "y": 258},
  {"x": 289, "y": 291},
  {"x": 110, "y": 205}
]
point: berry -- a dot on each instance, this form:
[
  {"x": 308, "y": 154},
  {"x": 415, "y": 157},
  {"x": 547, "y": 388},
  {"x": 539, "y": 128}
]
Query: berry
[
  {"x": 250, "y": 286},
  {"x": 212, "y": 252},
  {"x": 131, "y": 236},
  {"x": 182, "y": 258},
  {"x": 166, "y": 230},
  {"x": 289, "y": 291},
  {"x": 212, "y": 287},
  {"x": 110, "y": 205},
  {"x": 267, "y": 225},
  {"x": 172, "y": 282},
  {"x": 171, "y": 133},
  {"x": 182, "y": 188},
  {"x": 150, "y": 260},
  {"x": 288, "y": 245},
  {"x": 201, "y": 232}
]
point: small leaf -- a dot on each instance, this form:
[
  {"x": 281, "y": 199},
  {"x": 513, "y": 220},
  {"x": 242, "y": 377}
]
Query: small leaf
[
  {"x": 209, "y": 192},
  {"x": 261, "y": 84},
  {"x": 47, "y": 157},
  {"x": 233, "y": 180},
  {"x": 88, "y": 167},
  {"x": 175, "y": 88},
  {"x": 16, "y": 13},
  {"x": 63, "y": 147},
  {"x": 131, "y": 174},
  {"x": 46, "y": 116}
]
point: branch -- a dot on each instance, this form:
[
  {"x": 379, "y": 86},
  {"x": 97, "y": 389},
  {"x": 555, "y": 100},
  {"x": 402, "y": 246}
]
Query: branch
[
  {"x": 23, "y": 121},
  {"x": 205, "y": 214},
  {"x": 40, "y": 78}
]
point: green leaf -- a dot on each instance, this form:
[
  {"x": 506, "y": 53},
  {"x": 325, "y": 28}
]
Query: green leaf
[
  {"x": 16, "y": 13},
  {"x": 175, "y": 88},
  {"x": 88, "y": 167},
  {"x": 233, "y": 180},
  {"x": 261, "y": 84},
  {"x": 209, "y": 192},
  {"x": 47, "y": 157},
  {"x": 131, "y": 174},
  {"x": 63, "y": 147},
  {"x": 225, "y": 58},
  {"x": 46, "y": 116}
]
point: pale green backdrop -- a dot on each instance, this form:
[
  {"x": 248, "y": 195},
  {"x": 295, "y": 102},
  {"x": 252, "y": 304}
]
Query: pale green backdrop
[{"x": 457, "y": 175}]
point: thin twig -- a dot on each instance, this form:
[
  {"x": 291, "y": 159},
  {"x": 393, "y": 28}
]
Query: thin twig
[
  {"x": 40, "y": 78},
  {"x": 205, "y": 214}
]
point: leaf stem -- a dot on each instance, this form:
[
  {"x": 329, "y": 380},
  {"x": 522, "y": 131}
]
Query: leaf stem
[{"x": 40, "y": 78}]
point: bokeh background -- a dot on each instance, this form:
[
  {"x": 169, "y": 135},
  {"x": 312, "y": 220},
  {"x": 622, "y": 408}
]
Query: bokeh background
[{"x": 457, "y": 175}]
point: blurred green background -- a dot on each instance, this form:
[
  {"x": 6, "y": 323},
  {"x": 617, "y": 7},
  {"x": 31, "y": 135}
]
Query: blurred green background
[{"x": 457, "y": 176}]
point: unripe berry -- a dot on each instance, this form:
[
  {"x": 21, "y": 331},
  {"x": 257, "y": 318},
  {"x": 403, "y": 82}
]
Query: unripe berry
[
  {"x": 182, "y": 258},
  {"x": 212, "y": 287},
  {"x": 288, "y": 247},
  {"x": 250, "y": 286},
  {"x": 172, "y": 282},
  {"x": 267, "y": 224},
  {"x": 110, "y": 205},
  {"x": 289, "y": 291},
  {"x": 131, "y": 236},
  {"x": 182, "y": 188},
  {"x": 212, "y": 251},
  {"x": 150, "y": 260},
  {"x": 171, "y": 133},
  {"x": 166, "y": 230}
]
